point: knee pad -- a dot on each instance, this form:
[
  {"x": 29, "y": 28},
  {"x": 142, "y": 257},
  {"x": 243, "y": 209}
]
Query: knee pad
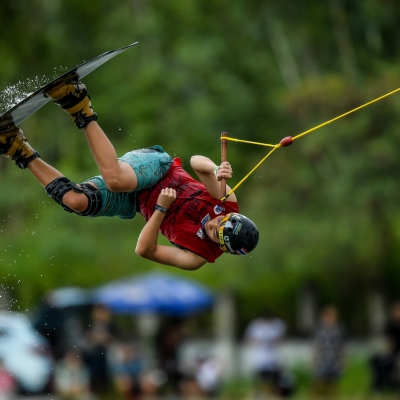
[
  {"x": 95, "y": 200},
  {"x": 57, "y": 189}
]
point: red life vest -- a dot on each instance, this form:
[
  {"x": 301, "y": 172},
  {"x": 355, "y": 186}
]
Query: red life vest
[{"x": 183, "y": 224}]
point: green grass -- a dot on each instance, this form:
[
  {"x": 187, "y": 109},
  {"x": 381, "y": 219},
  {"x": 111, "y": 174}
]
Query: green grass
[{"x": 354, "y": 385}]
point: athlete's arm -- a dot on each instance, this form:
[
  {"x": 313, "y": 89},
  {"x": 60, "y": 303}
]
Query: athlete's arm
[
  {"x": 204, "y": 169},
  {"x": 147, "y": 246}
]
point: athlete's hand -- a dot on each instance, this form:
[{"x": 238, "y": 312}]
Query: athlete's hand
[
  {"x": 224, "y": 171},
  {"x": 167, "y": 197}
]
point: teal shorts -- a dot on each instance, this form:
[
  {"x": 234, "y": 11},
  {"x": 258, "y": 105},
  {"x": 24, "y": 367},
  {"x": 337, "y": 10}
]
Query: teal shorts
[{"x": 150, "y": 165}]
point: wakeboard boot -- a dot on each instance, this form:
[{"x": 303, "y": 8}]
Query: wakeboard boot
[
  {"x": 73, "y": 98},
  {"x": 13, "y": 144}
]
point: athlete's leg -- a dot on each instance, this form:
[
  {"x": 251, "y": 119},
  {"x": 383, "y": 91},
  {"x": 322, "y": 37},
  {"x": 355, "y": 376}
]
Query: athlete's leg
[
  {"x": 118, "y": 176},
  {"x": 75, "y": 100},
  {"x": 84, "y": 199},
  {"x": 80, "y": 199},
  {"x": 46, "y": 174}
]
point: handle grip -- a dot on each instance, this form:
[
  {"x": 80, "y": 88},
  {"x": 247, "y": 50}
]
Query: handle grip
[{"x": 224, "y": 148}]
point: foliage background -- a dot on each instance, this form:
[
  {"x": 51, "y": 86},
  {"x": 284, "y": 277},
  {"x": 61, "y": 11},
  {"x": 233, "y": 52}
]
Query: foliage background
[{"x": 327, "y": 207}]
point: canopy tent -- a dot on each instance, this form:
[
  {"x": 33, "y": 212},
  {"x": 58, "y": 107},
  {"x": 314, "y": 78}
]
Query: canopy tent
[
  {"x": 69, "y": 297},
  {"x": 154, "y": 293}
]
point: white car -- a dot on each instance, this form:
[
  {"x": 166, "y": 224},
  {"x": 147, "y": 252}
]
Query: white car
[{"x": 24, "y": 352}]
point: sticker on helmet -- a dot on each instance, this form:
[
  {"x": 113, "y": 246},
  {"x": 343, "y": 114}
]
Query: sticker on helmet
[
  {"x": 228, "y": 225},
  {"x": 228, "y": 245},
  {"x": 205, "y": 219},
  {"x": 200, "y": 233},
  {"x": 237, "y": 228},
  {"x": 218, "y": 209},
  {"x": 241, "y": 252}
]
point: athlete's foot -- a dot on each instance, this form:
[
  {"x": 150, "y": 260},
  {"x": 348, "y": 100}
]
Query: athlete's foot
[
  {"x": 74, "y": 99},
  {"x": 13, "y": 144}
]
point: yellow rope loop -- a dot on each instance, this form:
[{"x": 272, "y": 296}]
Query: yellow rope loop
[
  {"x": 246, "y": 141},
  {"x": 289, "y": 140},
  {"x": 232, "y": 190},
  {"x": 343, "y": 115}
]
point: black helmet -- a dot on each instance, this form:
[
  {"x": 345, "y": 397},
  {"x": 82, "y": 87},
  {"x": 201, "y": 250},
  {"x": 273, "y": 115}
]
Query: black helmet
[{"x": 237, "y": 234}]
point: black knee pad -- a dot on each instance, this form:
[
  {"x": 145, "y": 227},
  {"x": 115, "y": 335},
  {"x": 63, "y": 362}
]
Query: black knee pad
[
  {"x": 95, "y": 200},
  {"x": 57, "y": 189}
]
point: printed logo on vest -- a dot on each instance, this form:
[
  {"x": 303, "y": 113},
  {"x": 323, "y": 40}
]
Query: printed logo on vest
[
  {"x": 200, "y": 233},
  {"x": 205, "y": 219},
  {"x": 218, "y": 209}
]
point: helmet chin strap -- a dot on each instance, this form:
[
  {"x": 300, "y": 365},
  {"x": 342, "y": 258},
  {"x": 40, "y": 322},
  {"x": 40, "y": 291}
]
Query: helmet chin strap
[{"x": 221, "y": 233}]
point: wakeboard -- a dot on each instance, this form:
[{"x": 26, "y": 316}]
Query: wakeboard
[{"x": 31, "y": 103}]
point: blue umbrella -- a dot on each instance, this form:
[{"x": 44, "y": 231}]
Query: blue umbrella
[
  {"x": 69, "y": 297},
  {"x": 154, "y": 292}
]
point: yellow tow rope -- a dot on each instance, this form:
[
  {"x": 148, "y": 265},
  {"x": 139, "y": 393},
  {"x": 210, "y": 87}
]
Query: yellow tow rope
[{"x": 287, "y": 141}]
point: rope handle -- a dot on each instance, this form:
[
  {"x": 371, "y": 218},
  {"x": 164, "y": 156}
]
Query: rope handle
[{"x": 224, "y": 149}]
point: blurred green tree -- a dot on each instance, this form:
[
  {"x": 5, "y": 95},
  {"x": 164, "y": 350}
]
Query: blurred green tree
[{"x": 326, "y": 207}]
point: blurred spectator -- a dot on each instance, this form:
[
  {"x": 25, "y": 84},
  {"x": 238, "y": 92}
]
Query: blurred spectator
[
  {"x": 328, "y": 347},
  {"x": 385, "y": 363},
  {"x": 150, "y": 383},
  {"x": 98, "y": 338},
  {"x": 169, "y": 340},
  {"x": 392, "y": 329},
  {"x": 50, "y": 322},
  {"x": 190, "y": 389},
  {"x": 209, "y": 376},
  {"x": 383, "y": 366},
  {"x": 8, "y": 385},
  {"x": 60, "y": 324},
  {"x": 71, "y": 378},
  {"x": 127, "y": 372},
  {"x": 262, "y": 337}
]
